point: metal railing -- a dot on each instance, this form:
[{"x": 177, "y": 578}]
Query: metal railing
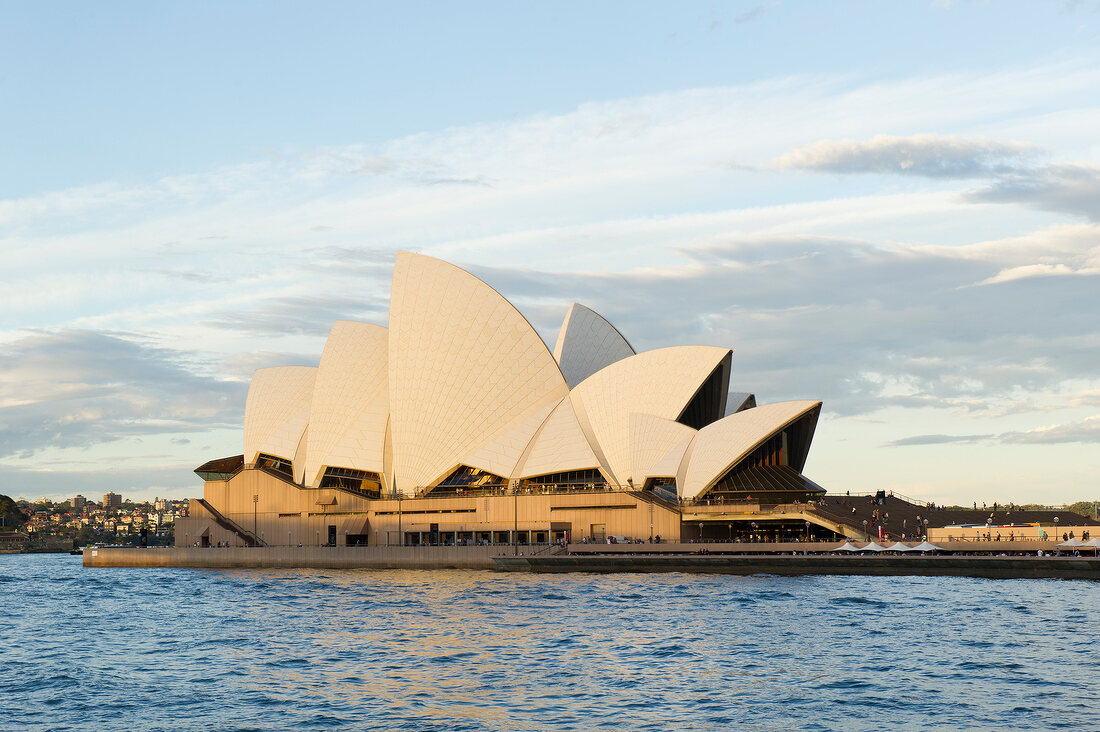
[{"x": 518, "y": 490}]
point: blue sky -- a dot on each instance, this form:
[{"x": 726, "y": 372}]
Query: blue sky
[{"x": 894, "y": 207}]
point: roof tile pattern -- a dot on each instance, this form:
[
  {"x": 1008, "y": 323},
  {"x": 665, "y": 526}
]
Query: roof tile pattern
[
  {"x": 559, "y": 446},
  {"x": 277, "y": 410},
  {"x": 659, "y": 383},
  {"x": 669, "y": 465},
  {"x": 347, "y": 423},
  {"x": 651, "y": 440},
  {"x": 587, "y": 343},
  {"x": 500, "y": 455},
  {"x": 464, "y": 367},
  {"x": 721, "y": 445}
]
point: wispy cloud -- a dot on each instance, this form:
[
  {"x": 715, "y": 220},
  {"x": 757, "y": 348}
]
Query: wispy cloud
[
  {"x": 75, "y": 388},
  {"x": 305, "y": 315},
  {"x": 931, "y": 156},
  {"x": 937, "y": 440},
  {"x": 753, "y": 13},
  {"x": 875, "y": 326},
  {"x": 1085, "y": 431},
  {"x": 1073, "y": 189}
]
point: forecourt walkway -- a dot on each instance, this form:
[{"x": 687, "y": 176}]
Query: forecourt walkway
[
  {"x": 313, "y": 557},
  {"x": 981, "y": 559}
]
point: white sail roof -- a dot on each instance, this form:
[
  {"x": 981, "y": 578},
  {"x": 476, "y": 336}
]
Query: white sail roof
[
  {"x": 721, "y": 445},
  {"x": 669, "y": 465},
  {"x": 660, "y": 383},
  {"x": 652, "y": 439},
  {"x": 559, "y": 446},
  {"x": 587, "y": 343},
  {"x": 347, "y": 423},
  {"x": 276, "y": 411},
  {"x": 501, "y": 454},
  {"x": 464, "y": 367}
]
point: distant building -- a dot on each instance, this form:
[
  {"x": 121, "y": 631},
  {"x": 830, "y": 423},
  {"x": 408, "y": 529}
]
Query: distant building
[
  {"x": 12, "y": 541},
  {"x": 79, "y": 501},
  {"x": 111, "y": 499}
]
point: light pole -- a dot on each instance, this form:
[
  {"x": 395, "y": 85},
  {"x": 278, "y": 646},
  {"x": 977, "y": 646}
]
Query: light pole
[
  {"x": 866, "y": 536},
  {"x": 255, "y": 503},
  {"x": 926, "y": 530},
  {"x": 807, "y": 531},
  {"x": 1056, "y": 528}
]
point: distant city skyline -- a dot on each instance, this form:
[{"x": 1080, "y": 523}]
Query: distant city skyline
[{"x": 894, "y": 208}]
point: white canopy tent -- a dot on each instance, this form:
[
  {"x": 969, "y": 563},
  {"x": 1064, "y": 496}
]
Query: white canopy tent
[
  {"x": 899, "y": 547},
  {"x": 847, "y": 547},
  {"x": 873, "y": 547},
  {"x": 925, "y": 546}
]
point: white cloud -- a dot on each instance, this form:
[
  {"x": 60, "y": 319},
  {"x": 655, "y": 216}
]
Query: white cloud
[
  {"x": 856, "y": 290},
  {"x": 78, "y": 389},
  {"x": 1085, "y": 431},
  {"x": 933, "y": 156}
]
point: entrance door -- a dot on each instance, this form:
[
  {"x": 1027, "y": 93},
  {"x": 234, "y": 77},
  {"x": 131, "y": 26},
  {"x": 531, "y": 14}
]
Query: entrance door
[
  {"x": 560, "y": 530},
  {"x": 332, "y": 536}
]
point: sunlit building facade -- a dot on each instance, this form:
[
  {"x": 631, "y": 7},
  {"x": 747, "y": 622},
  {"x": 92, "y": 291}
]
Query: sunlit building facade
[{"x": 458, "y": 425}]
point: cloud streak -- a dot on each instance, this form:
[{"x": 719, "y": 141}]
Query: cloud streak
[
  {"x": 75, "y": 388},
  {"x": 867, "y": 326},
  {"x": 929, "y": 156},
  {"x": 1073, "y": 189},
  {"x": 1084, "y": 432}
]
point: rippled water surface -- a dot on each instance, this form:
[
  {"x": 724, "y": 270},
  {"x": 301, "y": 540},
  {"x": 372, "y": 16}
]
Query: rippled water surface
[{"x": 111, "y": 649}]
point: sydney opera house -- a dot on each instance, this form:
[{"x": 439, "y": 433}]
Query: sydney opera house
[{"x": 457, "y": 424}]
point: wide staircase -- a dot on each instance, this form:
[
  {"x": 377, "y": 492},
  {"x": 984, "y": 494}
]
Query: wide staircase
[{"x": 228, "y": 524}]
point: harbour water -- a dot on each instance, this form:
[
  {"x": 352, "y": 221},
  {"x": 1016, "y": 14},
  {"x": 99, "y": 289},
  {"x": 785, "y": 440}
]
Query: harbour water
[{"x": 114, "y": 649}]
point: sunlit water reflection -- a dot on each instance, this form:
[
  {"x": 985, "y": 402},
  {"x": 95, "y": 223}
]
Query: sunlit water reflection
[{"x": 463, "y": 650}]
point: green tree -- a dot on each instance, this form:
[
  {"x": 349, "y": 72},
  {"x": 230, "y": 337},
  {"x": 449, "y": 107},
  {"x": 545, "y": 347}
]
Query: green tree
[
  {"x": 1085, "y": 508},
  {"x": 11, "y": 518}
]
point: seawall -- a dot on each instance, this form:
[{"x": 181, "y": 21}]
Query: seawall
[
  {"x": 993, "y": 567},
  {"x": 320, "y": 557},
  {"x": 612, "y": 559}
]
